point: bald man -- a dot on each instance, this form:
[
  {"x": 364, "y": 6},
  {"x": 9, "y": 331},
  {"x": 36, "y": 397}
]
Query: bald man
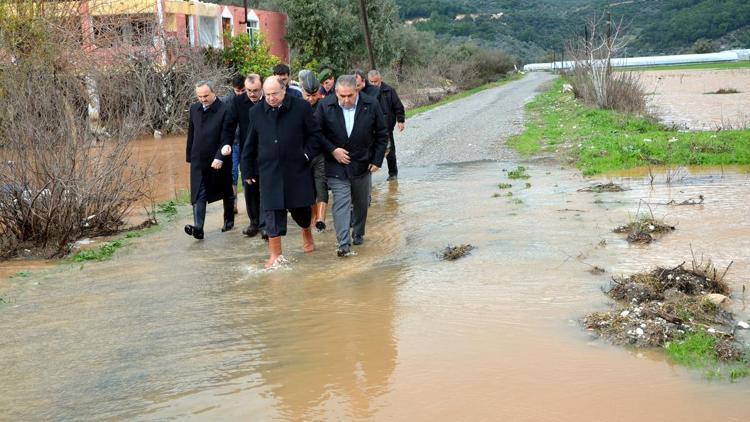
[{"x": 281, "y": 142}]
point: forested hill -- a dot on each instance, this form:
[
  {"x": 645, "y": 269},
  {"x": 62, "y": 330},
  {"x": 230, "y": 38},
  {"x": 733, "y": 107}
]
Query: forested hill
[{"x": 532, "y": 29}]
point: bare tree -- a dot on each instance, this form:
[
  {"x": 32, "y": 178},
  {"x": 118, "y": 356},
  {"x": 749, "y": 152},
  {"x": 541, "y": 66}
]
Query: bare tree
[
  {"x": 76, "y": 89},
  {"x": 592, "y": 76}
]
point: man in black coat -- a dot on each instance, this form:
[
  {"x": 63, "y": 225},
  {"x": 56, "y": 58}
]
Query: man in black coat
[
  {"x": 282, "y": 139},
  {"x": 209, "y": 153},
  {"x": 355, "y": 137},
  {"x": 240, "y": 116},
  {"x": 395, "y": 116}
]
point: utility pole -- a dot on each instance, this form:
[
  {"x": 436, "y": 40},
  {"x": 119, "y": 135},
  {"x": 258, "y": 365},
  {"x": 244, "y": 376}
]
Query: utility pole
[{"x": 368, "y": 40}]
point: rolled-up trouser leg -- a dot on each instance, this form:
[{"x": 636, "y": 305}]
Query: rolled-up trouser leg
[
  {"x": 302, "y": 216},
  {"x": 360, "y": 202},
  {"x": 275, "y": 222},
  {"x": 341, "y": 210}
]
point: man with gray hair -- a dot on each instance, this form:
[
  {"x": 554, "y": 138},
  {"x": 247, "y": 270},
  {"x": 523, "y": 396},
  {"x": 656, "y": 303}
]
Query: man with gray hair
[
  {"x": 209, "y": 150},
  {"x": 395, "y": 115},
  {"x": 355, "y": 137}
]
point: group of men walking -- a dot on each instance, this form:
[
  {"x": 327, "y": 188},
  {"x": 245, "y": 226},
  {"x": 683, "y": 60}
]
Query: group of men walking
[{"x": 293, "y": 142}]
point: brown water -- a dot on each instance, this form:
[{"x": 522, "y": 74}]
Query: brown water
[{"x": 177, "y": 329}]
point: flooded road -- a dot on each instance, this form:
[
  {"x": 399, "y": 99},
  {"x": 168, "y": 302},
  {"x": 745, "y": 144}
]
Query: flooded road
[{"x": 174, "y": 329}]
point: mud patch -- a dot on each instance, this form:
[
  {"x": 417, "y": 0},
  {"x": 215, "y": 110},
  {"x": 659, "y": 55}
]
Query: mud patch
[
  {"x": 603, "y": 187},
  {"x": 644, "y": 229},
  {"x": 452, "y": 253}
]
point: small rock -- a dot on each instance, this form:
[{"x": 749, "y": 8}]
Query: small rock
[
  {"x": 711, "y": 330},
  {"x": 717, "y": 299},
  {"x": 742, "y": 324},
  {"x": 624, "y": 313},
  {"x": 639, "y": 331}
]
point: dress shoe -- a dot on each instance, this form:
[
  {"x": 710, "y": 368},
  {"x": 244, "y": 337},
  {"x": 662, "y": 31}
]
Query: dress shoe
[
  {"x": 320, "y": 226},
  {"x": 250, "y": 231},
  {"x": 345, "y": 251},
  {"x": 264, "y": 235},
  {"x": 358, "y": 240},
  {"x": 228, "y": 225},
  {"x": 193, "y": 231}
]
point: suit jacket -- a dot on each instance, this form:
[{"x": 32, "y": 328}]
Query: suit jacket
[
  {"x": 280, "y": 144},
  {"x": 238, "y": 120},
  {"x": 204, "y": 142},
  {"x": 367, "y": 142}
]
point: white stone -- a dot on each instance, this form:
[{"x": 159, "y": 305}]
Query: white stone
[
  {"x": 742, "y": 324},
  {"x": 624, "y": 313},
  {"x": 639, "y": 331}
]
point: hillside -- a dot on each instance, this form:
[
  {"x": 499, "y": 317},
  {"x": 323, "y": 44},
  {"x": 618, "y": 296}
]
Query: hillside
[{"x": 532, "y": 29}]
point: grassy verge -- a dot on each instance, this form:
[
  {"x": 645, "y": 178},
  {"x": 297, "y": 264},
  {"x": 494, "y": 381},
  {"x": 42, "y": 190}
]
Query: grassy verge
[
  {"x": 167, "y": 210},
  {"x": 745, "y": 64},
  {"x": 450, "y": 98},
  {"x": 698, "y": 350},
  {"x": 598, "y": 141}
]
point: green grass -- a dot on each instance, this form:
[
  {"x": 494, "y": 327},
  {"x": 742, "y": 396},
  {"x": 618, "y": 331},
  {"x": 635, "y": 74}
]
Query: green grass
[
  {"x": 697, "y": 350},
  {"x": 598, "y": 141},
  {"x": 168, "y": 209},
  {"x": 102, "y": 253},
  {"x": 504, "y": 186},
  {"x": 21, "y": 274},
  {"x": 453, "y": 97},
  {"x": 696, "y": 66}
]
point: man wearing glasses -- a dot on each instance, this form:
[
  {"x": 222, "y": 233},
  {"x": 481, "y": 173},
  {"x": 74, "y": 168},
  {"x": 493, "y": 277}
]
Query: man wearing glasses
[{"x": 240, "y": 116}]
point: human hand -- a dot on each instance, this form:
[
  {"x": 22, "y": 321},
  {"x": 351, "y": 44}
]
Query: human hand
[
  {"x": 216, "y": 164},
  {"x": 400, "y": 126},
  {"x": 373, "y": 168},
  {"x": 341, "y": 155},
  {"x": 250, "y": 181},
  {"x": 226, "y": 150}
]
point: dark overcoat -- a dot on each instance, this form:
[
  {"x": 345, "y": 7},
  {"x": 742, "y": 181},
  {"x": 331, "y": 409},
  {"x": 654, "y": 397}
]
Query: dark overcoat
[
  {"x": 392, "y": 106},
  {"x": 205, "y": 139},
  {"x": 281, "y": 142},
  {"x": 367, "y": 142},
  {"x": 239, "y": 118}
]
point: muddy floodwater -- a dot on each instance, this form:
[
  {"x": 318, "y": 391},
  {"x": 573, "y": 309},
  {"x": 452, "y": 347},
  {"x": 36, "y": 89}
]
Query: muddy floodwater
[
  {"x": 684, "y": 98},
  {"x": 174, "y": 329}
]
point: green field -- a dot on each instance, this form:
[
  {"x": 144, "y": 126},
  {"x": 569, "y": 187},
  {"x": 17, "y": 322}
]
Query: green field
[{"x": 599, "y": 141}]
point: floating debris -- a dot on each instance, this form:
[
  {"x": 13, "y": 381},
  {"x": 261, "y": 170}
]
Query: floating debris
[
  {"x": 603, "y": 187},
  {"x": 643, "y": 229},
  {"x": 452, "y": 253}
]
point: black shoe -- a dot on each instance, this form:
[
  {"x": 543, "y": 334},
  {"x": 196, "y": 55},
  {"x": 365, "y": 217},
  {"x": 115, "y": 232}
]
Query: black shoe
[
  {"x": 358, "y": 240},
  {"x": 193, "y": 231},
  {"x": 343, "y": 251},
  {"x": 264, "y": 235},
  {"x": 250, "y": 231},
  {"x": 228, "y": 225},
  {"x": 392, "y": 177},
  {"x": 320, "y": 225}
]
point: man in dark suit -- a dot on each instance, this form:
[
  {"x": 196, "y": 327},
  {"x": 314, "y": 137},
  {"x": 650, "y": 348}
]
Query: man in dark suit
[
  {"x": 240, "y": 116},
  {"x": 282, "y": 139},
  {"x": 209, "y": 153},
  {"x": 395, "y": 116},
  {"x": 355, "y": 137}
]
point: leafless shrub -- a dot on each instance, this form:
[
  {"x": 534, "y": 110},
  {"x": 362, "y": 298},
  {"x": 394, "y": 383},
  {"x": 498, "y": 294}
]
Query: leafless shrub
[
  {"x": 592, "y": 77},
  {"x": 71, "y": 107}
]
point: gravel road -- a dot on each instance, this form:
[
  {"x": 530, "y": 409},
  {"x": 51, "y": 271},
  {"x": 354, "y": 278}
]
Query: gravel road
[{"x": 470, "y": 129}]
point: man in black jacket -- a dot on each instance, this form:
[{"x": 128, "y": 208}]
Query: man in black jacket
[
  {"x": 240, "y": 116},
  {"x": 282, "y": 139},
  {"x": 209, "y": 151},
  {"x": 355, "y": 137},
  {"x": 395, "y": 116}
]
